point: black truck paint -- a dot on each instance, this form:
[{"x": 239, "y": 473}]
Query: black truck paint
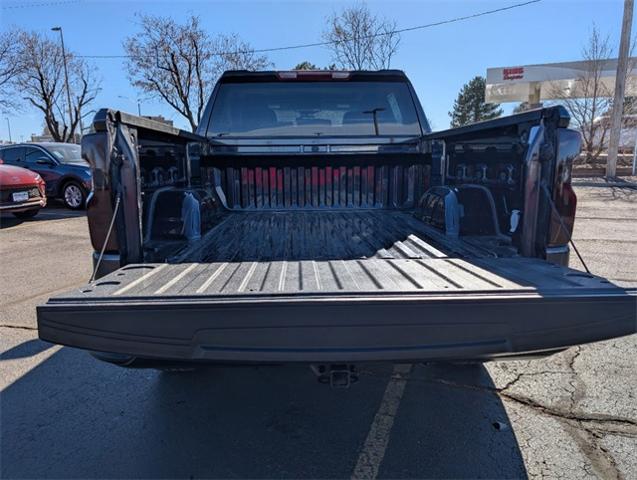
[{"x": 328, "y": 248}]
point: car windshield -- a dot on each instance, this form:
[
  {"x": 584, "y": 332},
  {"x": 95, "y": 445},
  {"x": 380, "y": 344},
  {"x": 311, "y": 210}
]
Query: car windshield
[
  {"x": 332, "y": 108},
  {"x": 69, "y": 154}
]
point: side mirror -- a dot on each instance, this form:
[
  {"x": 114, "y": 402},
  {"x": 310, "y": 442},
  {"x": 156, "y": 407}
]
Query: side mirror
[{"x": 45, "y": 161}]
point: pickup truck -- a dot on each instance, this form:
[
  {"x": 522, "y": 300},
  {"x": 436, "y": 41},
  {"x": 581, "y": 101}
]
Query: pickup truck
[{"x": 315, "y": 218}]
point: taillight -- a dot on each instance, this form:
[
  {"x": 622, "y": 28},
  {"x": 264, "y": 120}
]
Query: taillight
[{"x": 565, "y": 203}]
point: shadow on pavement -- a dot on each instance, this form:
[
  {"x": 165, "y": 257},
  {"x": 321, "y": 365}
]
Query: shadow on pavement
[
  {"x": 53, "y": 211},
  {"x": 25, "y": 350},
  {"x": 75, "y": 417}
]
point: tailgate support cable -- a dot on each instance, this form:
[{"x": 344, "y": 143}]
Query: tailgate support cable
[
  {"x": 108, "y": 235},
  {"x": 559, "y": 217}
]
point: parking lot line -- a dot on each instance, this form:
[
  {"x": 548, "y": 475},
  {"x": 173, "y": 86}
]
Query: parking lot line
[{"x": 373, "y": 452}]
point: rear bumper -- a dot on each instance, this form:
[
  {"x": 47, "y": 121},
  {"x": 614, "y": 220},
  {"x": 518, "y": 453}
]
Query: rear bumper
[{"x": 349, "y": 329}]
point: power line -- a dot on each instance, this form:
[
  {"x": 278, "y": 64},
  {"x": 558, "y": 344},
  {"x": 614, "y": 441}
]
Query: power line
[
  {"x": 334, "y": 42},
  {"x": 43, "y": 4}
]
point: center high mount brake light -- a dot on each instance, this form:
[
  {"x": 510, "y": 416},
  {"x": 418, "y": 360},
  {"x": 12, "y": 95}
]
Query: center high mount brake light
[{"x": 312, "y": 75}]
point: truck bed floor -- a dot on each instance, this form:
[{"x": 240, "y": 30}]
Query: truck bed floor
[
  {"x": 377, "y": 252},
  {"x": 324, "y": 235}
]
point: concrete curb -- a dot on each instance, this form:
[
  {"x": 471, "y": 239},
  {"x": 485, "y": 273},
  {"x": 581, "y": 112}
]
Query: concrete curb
[{"x": 620, "y": 184}]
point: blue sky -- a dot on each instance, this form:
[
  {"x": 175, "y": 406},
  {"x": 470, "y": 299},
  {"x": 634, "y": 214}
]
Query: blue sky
[{"x": 438, "y": 60}]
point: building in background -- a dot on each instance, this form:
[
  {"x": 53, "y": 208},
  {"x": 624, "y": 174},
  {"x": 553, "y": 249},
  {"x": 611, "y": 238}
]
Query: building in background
[{"x": 159, "y": 118}]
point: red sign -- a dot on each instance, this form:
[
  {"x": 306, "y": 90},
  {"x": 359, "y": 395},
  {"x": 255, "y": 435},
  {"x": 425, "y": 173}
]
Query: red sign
[{"x": 513, "y": 73}]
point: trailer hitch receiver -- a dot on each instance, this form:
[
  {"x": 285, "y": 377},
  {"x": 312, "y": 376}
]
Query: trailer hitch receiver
[{"x": 336, "y": 375}]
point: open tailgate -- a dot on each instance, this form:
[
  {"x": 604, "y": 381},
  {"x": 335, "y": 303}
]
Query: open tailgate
[{"x": 340, "y": 311}]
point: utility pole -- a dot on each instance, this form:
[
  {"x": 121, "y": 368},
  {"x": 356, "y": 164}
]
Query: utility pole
[
  {"x": 66, "y": 78},
  {"x": 620, "y": 86},
  {"x": 9, "y": 128}
]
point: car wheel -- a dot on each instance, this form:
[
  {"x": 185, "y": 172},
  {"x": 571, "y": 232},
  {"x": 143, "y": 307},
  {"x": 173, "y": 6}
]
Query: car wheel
[
  {"x": 73, "y": 196},
  {"x": 27, "y": 213}
]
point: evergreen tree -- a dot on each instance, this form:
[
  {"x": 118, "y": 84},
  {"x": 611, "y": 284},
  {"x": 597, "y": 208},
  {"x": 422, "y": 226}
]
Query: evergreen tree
[
  {"x": 305, "y": 66},
  {"x": 470, "y": 106}
]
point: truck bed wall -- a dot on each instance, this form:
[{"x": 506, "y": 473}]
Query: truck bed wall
[{"x": 334, "y": 182}]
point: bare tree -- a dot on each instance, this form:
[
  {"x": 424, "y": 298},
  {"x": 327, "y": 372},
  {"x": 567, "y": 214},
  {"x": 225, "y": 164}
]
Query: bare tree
[
  {"x": 180, "y": 62},
  {"x": 10, "y": 66},
  {"x": 590, "y": 98},
  {"x": 41, "y": 84},
  {"x": 360, "y": 40},
  {"x": 231, "y": 53}
]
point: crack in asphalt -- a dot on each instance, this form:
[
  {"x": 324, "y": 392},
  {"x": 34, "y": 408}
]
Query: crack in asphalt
[
  {"x": 601, "y": 420},
  {"x": 18, "y": 327},
  {"x": 577, "y": 351},
  {"x": 519, "y": 376},
  {"x": 578, "y": 387},
  {"x": 45, "y": 293},
  {"x": 602, "y": 463},
  {"x": 586, "y": 429}
]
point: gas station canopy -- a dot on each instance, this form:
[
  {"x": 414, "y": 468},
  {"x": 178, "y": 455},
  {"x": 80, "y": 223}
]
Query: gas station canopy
[{"x": 534, "y": 83}]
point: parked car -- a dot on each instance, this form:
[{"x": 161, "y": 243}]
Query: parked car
[
  {"x": 67, "y": 175},
  {"x": 315, "y": 218},
  {"x": 22, "y": 192}
]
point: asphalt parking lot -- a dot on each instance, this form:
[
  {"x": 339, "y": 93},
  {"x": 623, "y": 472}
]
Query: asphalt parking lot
[{"x": 65, "y": 415}]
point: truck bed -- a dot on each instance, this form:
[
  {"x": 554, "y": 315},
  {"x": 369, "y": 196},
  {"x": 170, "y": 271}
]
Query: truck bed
[
  {"x": 327, "y": 235},
  {"x": 337, "y": 287}
]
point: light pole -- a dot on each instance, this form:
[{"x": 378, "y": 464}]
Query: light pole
[
  {"x": 66, "y": 77},
  {"x": 139, "y": 104},
  {"x": 9, "y": 128},
  {"x": 620, "y": 87}
]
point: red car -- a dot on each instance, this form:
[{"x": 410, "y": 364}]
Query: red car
[{"x": 22, "y": 192}]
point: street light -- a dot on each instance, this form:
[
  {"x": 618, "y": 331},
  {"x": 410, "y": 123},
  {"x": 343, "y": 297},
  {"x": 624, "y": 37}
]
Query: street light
[
  {"x": 139, "y": 104},
  {"x": 66, "y": 77}
]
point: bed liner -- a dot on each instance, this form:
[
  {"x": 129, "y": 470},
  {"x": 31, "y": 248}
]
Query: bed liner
[{"x": 329, "y": 235}]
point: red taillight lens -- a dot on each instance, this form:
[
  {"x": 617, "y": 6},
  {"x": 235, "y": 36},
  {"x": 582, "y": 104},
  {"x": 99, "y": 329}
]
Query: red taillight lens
[{"x": 565, "y": 204}]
